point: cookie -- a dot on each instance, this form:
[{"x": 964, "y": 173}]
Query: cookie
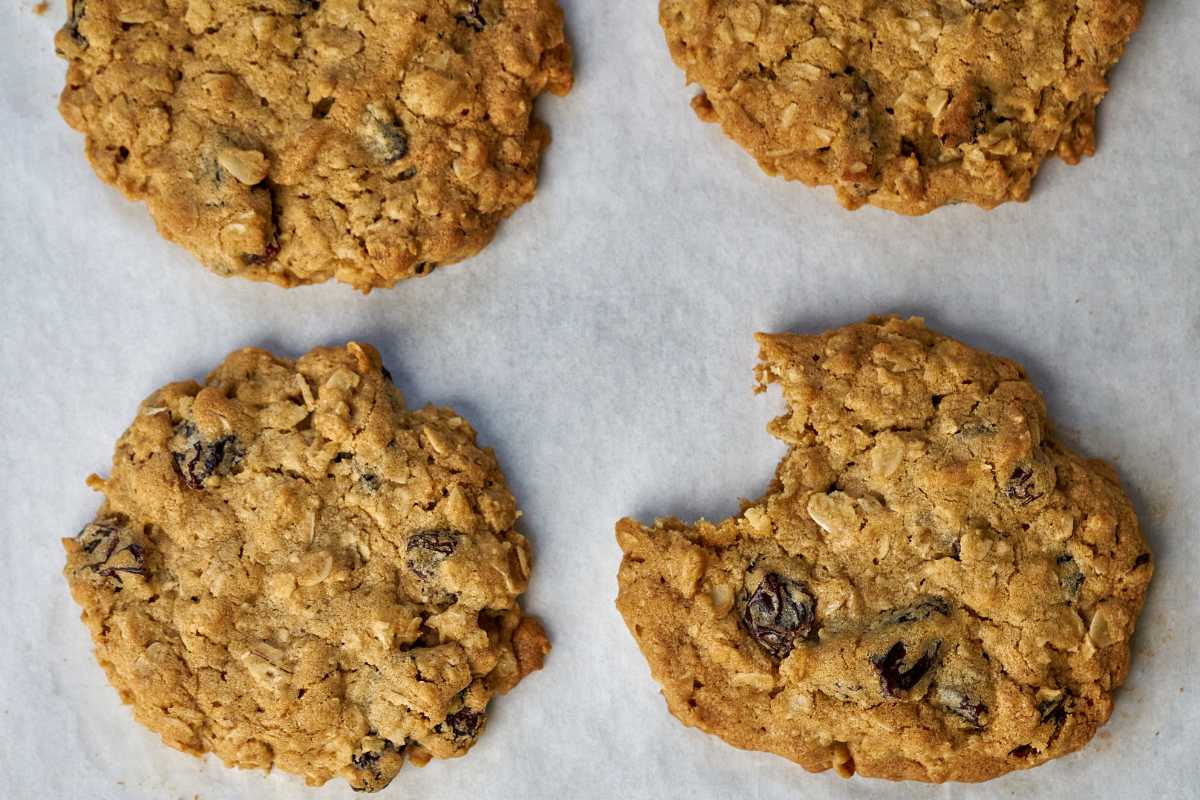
[
  {"x": 295, "y": 141},
  {"x": 292, "y": 570},
  {"x": 904, "y": 104},
  {"x": 932, "y": 588}
]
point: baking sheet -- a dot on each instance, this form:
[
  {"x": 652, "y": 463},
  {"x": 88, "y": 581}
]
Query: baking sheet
[{"x": 602, "y": 345}]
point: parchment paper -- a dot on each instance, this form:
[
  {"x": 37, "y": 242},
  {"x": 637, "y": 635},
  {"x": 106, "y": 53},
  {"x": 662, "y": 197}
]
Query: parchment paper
[{"x": 602, "y": 345}]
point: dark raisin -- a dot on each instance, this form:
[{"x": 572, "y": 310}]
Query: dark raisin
[
  {"x": 425, "y": 552},
  {"x": 974, "y": 428},
  {"x": 462, "y": 725},
  {"x": 365, "y": 761},
  {"x": 386, "y": 375},
  {"x": 893, "y": 678},
  {"x": 1022, "y": 751},
  {"x": 961, "y": 705},
  {"x": 115, "y": 553},
  {"x": 1144, "y": 558},
  {"x": 384, "y": 139},
  {"x": 1053, "y": 709},
  {"x": 370, "y": 482},
  {"x": 322, "y": 108},
  {"x": 380, "y": 766},
  {"x": 197, "y": 460},
  {"x": 922, "y": 609},
  {"x": 1069, "y": 574},
  {"x": 265, "y": 257},
  {"x": 472, "y": 18},
  {"x": 1020, "y": 486},
  {"x": 408, "y": 174},
  {"x": 75, "y": 14},
  {"x": 778, "y": 613},
  {"x": 101, "y": 535}
]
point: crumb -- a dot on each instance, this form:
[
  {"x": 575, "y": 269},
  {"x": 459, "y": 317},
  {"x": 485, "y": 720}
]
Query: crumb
[{"x": 41, "y": 8}]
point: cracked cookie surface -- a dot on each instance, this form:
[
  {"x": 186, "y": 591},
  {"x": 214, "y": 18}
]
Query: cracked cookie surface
[
  {"x": 296, "y": 141},
  {"x": 904, "y": 104},
  {"x": 292, "y": 570},
  {"x": 932, "y": 588}
]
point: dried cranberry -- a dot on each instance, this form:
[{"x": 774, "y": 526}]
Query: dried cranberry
[{"x": 779, "y": 612}]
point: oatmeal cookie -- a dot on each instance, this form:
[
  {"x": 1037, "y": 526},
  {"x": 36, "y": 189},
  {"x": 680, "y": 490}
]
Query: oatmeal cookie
[
  {"x": 292, "y": 570},
  {"x": 295, "y": 141},
  {"x": 933, "y": 588},
  {"x": 904, "y": 104}
]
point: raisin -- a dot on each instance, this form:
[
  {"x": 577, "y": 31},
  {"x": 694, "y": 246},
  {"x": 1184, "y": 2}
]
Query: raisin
[
  {"x": 380, "y": 765},
  {"x": 961, "y": 705},
  {"x": 407, "y": 175},
  {"x": 472, "y": 18},
  {"x": 1143, "y": 558},
  {"x": 77, "y": 9},
  {"x": 1020, "y": 486},
  {"x": 893, "y": 678},
  {"x": 1053, "y": 709},
  {"x": 779, "y": 612},
  {"x": 974, "y": 428},
  {"x": 115, "y": 554},
  {"x": 1022, "y": 751},
  {"x": 265, "y": 257},
  {"x": 384, "y": 139},
  {"x": 425, "y": 552},
  {"x": 386, "y": 375},
  {"x": 462, "y": 725},
  {"x": 322, "y": 107},
  {"x": 197, "y": 460},
  {"x": 101, "y": 535},
  {"x": 923, "y": 609},
  {"x": 1069, "y": 574},
  {"x": 370, "y": 482}
]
